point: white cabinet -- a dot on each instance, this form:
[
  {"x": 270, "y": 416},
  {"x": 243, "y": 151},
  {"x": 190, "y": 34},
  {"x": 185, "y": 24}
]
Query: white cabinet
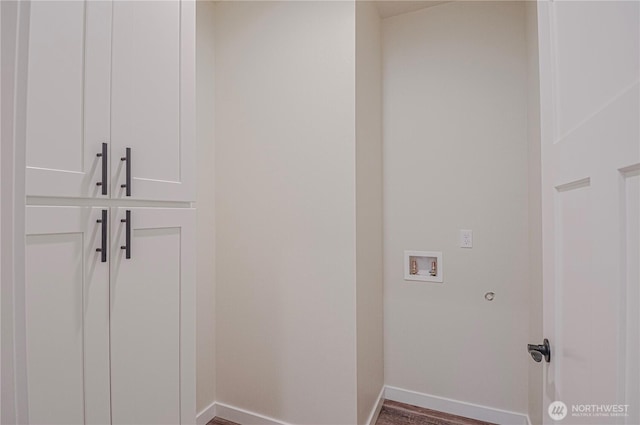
[
  {"x": 153, "y": 316},
  {"x": 153, "y": 107},
  {"x": 110, "y": 332},
  {"x": 120, "y": 73},
  {"x": 68, "y": 97},
  {"x": 110, "y": 340},
  {"x": 67, "y": 316}
]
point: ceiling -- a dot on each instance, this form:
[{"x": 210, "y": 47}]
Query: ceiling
[{"x": 390, "y": 8}]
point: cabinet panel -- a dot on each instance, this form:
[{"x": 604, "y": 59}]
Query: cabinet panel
[
  {"x": 67, "y": 97},
  {"x": 152, "y": 317},
  {"x": 153, "y": 108},
  {"x": 67, "y": 317}
]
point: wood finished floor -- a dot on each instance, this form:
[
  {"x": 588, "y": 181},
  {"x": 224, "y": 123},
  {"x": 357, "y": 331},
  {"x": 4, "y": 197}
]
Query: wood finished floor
[
  {"x": 394, "y": 413},
  {"x": 220, "y": 421}
]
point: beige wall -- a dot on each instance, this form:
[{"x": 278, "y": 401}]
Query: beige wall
[
  {"x": 455, "y": 157},
  {"x": 369, "y": 318},
  {"x": 205, "y": 311},
  {"x": 535, "y": 214},
  {"x": 285, "y": 209}
]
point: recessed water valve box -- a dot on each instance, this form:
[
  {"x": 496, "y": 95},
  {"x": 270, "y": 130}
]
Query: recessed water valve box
[{"x": 425, "y": 266}]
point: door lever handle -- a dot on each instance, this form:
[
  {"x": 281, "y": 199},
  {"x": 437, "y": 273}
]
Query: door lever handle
[{"x": 539, "y": 351}]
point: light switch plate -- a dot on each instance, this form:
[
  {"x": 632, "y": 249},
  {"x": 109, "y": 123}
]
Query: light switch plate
[{"x": 466, "y": 238}]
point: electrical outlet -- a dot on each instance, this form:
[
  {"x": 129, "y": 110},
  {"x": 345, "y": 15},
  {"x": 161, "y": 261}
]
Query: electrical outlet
[{"x": 466, "y": 238}]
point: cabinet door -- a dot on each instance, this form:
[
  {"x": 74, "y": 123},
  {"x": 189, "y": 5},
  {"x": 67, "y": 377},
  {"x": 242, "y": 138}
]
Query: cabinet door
[
  {"x": 67, "y": 97},
  {"x": 153, "y": 109},
  {"x": 67, "y": 316},
  {"x": 153, "y": 317}
]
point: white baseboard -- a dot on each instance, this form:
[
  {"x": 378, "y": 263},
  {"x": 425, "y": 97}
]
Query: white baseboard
[
  {"x": 233, "y": 414},
  {"x": 244, "y": 417},
  {"x": 455, "y": 407},
  {"x": 373, "y": 417},
  {"x": 206, "y": 414}
]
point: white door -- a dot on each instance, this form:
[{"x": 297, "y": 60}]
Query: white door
[
  {"x": 67, "y": 316},
  {"x": 589, "y": 76},
  {"x": 153, "y": 103},
  {"x": 152, "y": 316},
  {"x": 67, "y": 97}
]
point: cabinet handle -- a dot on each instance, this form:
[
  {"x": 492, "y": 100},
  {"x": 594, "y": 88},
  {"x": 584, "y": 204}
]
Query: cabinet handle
[
  {"x": 103, "y": 243},
  {"x": 105, "y": 164},
  {"x": 127, "y": 246},
  {"x": 127, "y": 185}
]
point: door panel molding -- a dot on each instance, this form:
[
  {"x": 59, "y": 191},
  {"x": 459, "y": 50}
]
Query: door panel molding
[
  {"x": 159, "y": 276},
  {"x": 48, "y": 170},
  {"x": 629, "y": 387},
  {"x": 589, "y": 136},
  {"x": 66, "y": 386},
  {"x": 591, "y": 94},
  {"x": 155, "y": 117}
]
